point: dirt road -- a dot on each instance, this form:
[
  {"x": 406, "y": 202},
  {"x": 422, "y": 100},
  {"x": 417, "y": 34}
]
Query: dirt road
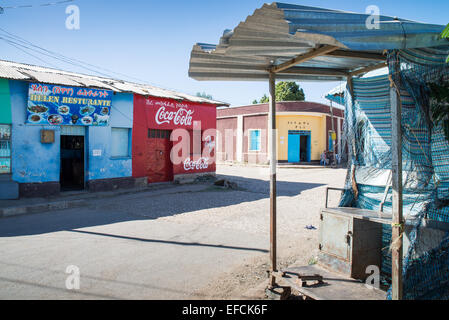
[{"x": 180, "y": 242}]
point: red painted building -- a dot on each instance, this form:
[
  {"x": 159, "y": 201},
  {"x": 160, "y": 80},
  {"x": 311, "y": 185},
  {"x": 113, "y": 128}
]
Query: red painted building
[{"x": 162, "y": 152}]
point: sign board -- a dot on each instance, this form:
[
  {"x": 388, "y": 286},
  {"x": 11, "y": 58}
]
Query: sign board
[
  {"x": 60, "y": 105},
  {"x": 47, "y": 136},
  {"x": 168, "y": 114}
]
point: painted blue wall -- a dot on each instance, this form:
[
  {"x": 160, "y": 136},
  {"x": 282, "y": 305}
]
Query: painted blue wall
[
  {"x": 99, "y": 138},
  {"x": 33, "y": 161}
]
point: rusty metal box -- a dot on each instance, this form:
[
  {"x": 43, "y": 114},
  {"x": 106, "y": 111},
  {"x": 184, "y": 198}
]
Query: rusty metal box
[{"x": 348, "y": 242}]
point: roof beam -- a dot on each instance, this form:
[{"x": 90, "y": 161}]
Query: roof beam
[
  {"x": 302, "y": 58},
  {"x": 315, "y": 71},
  {"x": 226, "y": 67},
  {"x": 357, "y": 55},
  {"x": 367, "y": 69}
]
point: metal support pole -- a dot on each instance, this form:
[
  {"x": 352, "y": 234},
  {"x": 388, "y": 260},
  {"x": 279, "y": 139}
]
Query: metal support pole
[
  {"x": 352, "y": 152},
  {"x": 273, "y": 163},
  {"x": 333, "y": 132},
  {"x": 397, "y": 223}
]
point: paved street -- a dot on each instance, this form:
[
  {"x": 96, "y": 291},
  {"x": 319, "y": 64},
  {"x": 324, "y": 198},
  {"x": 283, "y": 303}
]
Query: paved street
[{"x": 179, "y": 242}]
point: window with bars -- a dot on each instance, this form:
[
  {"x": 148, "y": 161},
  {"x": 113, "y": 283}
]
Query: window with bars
[
  {"x": 159, "y": 134},
  {"x": 5, "y": 149}
]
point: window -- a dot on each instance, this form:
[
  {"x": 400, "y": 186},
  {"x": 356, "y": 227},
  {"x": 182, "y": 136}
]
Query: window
[
  {"x": 254, "y": 140},
  {"x": 159, "y": 134},
  {"x": 5, "y": 149},
  {"x": 120, "y": 142}
]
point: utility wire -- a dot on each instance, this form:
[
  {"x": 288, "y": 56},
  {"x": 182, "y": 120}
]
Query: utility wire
[
  {"x": 68, "y": 59},
  {"x": 19, "y": 41},
  {"x": 36, "y": 5},
  {"x": 16, "y": 44},
  {"x": 71, "y": 61},
  {"x": 26, "y": 52}
]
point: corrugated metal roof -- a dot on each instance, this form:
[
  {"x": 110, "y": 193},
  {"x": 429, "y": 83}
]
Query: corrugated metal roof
[
  {"x": 9, "y": 73},
  {"x": 50, "y": 77},
  {"x": 279, "y": 32},
  {"x": 20, "y": 71}
]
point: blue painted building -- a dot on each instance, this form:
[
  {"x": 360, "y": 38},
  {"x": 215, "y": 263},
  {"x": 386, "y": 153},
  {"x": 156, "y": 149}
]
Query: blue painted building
[
  {"x": 36, "y": 166},
  {"x": 66, "y": 131}
]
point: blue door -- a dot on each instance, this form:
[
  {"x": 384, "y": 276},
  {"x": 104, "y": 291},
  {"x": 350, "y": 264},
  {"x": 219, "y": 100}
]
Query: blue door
[
  {"x": 331, "y": 142},
  {"x": 293, "y": 147}
]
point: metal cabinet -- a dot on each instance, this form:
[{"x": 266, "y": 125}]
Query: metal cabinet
[{"x": 349, "y": 243}]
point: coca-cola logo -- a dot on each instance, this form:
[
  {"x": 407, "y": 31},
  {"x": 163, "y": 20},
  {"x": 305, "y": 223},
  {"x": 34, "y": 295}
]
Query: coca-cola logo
[
  {"x": 182, "y": 117},
  {"x": 200, "y": 164}
]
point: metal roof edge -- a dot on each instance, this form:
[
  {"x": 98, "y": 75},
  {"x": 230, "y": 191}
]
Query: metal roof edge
[{"x": 26, "y": 72}]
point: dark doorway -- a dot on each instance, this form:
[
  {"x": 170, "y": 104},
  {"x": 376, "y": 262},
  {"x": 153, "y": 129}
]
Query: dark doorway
[
  {"x": 159, "y": 167},
  {"x": 304, "y": 148},
  {"x": 72, "y": 163}
]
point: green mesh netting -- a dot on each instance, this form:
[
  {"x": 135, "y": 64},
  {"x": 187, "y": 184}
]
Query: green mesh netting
[{"x": 425, "y": 151}]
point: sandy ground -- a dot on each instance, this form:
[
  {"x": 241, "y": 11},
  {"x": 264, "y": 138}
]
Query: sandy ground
[
  {"x": 180, "y": 242},
  {"x": 301, "y": 195}
]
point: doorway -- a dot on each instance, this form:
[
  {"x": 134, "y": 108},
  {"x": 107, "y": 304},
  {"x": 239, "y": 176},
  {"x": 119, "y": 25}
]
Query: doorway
[
  {"x": 72, "y": 163},
  {"x": 303, "y": 149},
  {"x": 299, "y": 146},
  {"x": 159, "y": 167}
]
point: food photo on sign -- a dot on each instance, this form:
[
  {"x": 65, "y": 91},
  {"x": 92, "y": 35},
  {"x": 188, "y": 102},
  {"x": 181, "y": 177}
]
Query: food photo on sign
[{"x": 58, "y": 105}]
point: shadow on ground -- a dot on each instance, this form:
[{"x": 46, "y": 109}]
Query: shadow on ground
[{"x": 147, "y": 206}]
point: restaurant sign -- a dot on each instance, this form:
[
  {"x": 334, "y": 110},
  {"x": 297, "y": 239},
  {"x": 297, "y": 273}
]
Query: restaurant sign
[{"x": 60, "y": 105}]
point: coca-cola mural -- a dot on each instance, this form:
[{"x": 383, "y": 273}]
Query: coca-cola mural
[
  {"x": 180, "y": 117},
  {"x": 151, "y": 152},
  {"x": 201, "y": 163},
  {"x": 171, "y": 114}
]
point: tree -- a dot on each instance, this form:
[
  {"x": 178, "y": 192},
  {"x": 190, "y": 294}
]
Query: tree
[
  {"x": 289, "y": 91},
  {"x": 285, "y": 91},
  {"x": 204, "y": 95}
]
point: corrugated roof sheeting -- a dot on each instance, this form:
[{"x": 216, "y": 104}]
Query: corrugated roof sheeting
[
  {"x": 279, "y": 32},
  {"x": 19, "y": 71},
  {"x": 9, "y": 73},
  {"x": 50, "y": 77}
]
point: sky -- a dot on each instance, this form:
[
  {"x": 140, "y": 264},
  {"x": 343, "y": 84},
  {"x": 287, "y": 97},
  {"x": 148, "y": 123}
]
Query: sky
[{"x": 150, "y": 41}]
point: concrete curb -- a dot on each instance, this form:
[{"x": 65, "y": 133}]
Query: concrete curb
[
  {"x": 281, "y": 166},
  {"x": 82, "y": 201},
  {"x": 70, "y": 203},
  {"x": 41, "y": 207}
]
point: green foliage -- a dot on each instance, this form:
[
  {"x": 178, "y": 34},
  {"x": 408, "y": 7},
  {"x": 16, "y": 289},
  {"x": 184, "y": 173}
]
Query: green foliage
[
  {"x": 264, "y": 99},
  {"x": 204, "y": 95},
  {"x": 445, "y": 34},
  {"x": 289, "y": 91},
  {"x": 285, "y": 91},
  {"x": 439, "y": 104}
]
